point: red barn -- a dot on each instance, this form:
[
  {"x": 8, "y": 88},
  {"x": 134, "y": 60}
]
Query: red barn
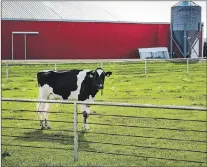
[{"x": 73, "y": 30}]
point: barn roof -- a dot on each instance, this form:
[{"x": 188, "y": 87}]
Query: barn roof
[{"x": 54, "y": 10}]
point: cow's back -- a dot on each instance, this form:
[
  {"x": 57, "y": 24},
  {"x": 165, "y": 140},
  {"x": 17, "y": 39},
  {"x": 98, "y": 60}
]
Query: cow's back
[{"x": 66, "y": 84}]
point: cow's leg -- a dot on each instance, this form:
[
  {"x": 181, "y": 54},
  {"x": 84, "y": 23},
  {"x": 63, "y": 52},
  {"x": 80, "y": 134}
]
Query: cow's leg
[
  {"x": 41, "y": 107},
  {"x": 86, "y": 111},
  {"x": 43, "y": 95},
  {"x": 47, "y": 125}
]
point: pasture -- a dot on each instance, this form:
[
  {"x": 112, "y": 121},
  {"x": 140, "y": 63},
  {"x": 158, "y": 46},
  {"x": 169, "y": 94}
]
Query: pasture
[{"x": 163, "y": 137}]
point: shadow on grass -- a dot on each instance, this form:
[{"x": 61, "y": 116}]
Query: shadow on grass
[{"x": 64, "y": 138}]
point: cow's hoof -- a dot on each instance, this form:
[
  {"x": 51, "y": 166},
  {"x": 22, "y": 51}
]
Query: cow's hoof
[
  {"x": 85, "y": 130},
  {"x": 43, "y": 127},
  {"x": 85, "y": 127},
  {"x": 48, "y": 127}
]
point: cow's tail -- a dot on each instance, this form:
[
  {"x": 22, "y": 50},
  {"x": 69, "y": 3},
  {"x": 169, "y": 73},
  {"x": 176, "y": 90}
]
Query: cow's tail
[{"x": 39, "y": 74}]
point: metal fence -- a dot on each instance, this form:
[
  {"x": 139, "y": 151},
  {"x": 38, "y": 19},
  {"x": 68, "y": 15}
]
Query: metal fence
[
  {"x": 77, "y": 141},
  {"x": 144, "y": 66}
]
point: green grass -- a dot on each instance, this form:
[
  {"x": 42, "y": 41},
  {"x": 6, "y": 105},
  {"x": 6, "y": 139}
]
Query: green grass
[{"x": 166, "y": 83}]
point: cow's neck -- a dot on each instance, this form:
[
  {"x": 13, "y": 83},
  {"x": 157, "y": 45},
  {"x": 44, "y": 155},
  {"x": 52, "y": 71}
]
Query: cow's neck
[
  {"x": 91, "y": 90},
  {"x": 87, "y": 89}
]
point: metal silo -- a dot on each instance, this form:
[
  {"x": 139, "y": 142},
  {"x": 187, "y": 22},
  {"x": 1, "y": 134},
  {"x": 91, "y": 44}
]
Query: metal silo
[{"x": 186, "y": 29}]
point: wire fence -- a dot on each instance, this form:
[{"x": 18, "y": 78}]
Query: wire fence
[
  {"x": 178, "y": 154},
  {"x": 187, "y": 134},
  {"x": 139, "y": 66}
]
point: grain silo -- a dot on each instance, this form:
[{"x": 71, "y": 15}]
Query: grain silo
[{"x": 186, "y": 30}]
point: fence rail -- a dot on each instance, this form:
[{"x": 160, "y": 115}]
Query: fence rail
[
  {"x": 110, "y": 115},
  {"x": 107, "y": 104},
  {"x": 112, "y": 134},
  {"x": 147, "y": 62},
  {"x": 75, "y": 128},
  {"x": 65, "y": 61}
]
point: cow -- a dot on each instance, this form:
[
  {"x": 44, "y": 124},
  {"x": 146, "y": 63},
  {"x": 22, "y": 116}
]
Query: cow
[{"x": 81, "y": 85}]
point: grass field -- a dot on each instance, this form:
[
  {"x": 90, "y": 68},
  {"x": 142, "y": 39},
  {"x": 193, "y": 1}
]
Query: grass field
[{"x": 144, "y": 144}]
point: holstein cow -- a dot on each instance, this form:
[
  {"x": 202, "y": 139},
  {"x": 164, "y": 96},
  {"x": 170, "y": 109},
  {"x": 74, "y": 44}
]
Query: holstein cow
[{"x": 82, "y": 85}]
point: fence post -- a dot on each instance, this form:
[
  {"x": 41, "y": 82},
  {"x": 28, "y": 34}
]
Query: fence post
[
  {"x": 145, "y": 67},
  {"x": 7, "y": 71},
  {"x": 55, "y": 67},
  {"x": 187, "y": 66},
  {"x": 75, "y": 132}
]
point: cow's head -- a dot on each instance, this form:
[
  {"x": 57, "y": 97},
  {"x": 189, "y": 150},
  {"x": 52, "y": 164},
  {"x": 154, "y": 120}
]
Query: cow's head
[{"x": 98, "y": 77}]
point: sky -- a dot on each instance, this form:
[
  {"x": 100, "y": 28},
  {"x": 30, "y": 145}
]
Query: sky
[{"x": 145, "y": 11}]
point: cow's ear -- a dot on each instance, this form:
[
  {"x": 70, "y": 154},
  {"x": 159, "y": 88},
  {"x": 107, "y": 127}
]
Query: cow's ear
[
  {"x": 108, "y": 73},
  {"x": 90, "y": 74}
]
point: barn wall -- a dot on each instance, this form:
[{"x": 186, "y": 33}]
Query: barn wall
[{"x": 72, "y": 40}]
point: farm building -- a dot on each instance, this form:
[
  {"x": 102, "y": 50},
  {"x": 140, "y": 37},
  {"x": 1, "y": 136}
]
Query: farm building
[{"x": 73, "y": 30}]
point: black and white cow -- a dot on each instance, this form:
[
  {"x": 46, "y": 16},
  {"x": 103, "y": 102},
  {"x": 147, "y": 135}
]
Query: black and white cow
[{"x": 81, "y": 85}]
